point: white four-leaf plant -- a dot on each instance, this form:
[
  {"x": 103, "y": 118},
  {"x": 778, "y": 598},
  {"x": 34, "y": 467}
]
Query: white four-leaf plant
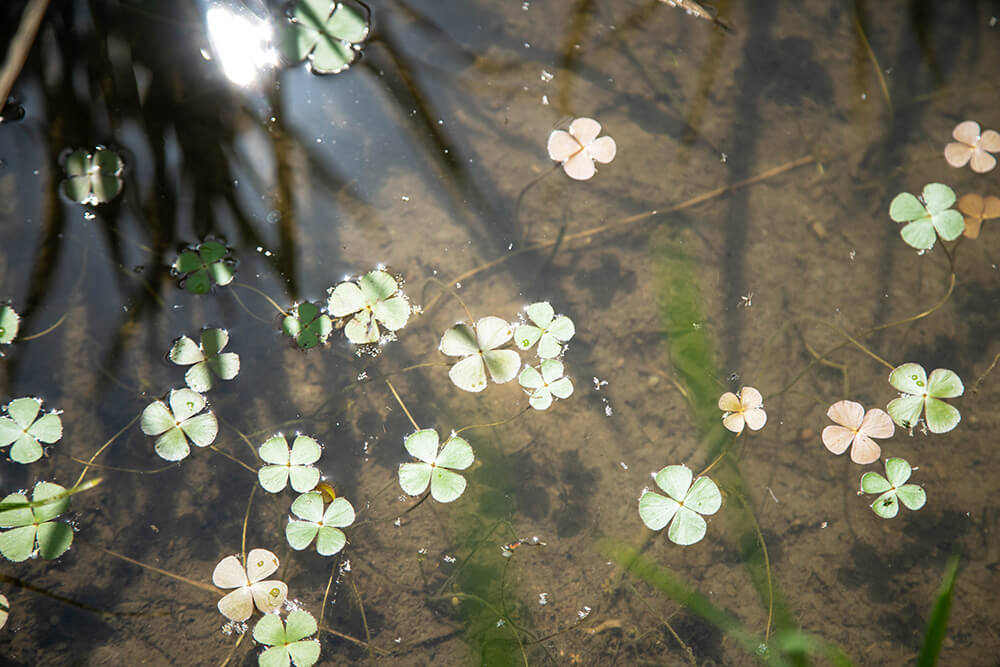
[
  {"x": 284, "y": 464},
  {"x": 174, "y": 425},
  {"x": 206, "y": 359},
  {"x": 683, "y": 505},
  {"x": 251, "y": 587},
  {"x": 435, "y": 468},
  {"x": 374, "y": 300}
]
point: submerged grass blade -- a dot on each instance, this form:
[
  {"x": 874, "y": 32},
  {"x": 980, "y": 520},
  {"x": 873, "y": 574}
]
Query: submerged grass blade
[{"x": 937, "y": 627}]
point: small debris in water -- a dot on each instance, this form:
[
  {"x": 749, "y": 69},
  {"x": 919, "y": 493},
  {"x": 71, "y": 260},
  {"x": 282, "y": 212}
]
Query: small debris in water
[
  {"x": 543, "y": 599},
  {"x": 545, "y": 99},
  {"x": 623, "y": 465},
  {"x": 599, "y": 383},
  {"x": 547, "y": 76},
  {"x": 583, "y": 613},
  {"x": 448, "y": 559}
]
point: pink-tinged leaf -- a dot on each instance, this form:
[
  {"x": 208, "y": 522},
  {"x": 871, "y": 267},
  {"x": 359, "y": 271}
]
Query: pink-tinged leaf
[
  {"x": 837, "y": 438},
  {"x": 865, "y": 450},
  {"x": 847, "y": 413}
]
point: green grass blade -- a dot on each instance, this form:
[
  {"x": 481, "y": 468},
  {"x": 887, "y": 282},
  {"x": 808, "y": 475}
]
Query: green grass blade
[{"x": 938, "y": 625}]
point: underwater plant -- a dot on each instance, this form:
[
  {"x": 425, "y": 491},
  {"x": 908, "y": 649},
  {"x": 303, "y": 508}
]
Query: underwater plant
[
  {"x": 435, "y": 467},
  {"x": 926, "y": 220},
  {"x": 477, "y": 347},
  {"x": 921, "y": 394},
  {"x": 206, "y": 359},
  {"x": 578, "y": 148},
  {"x": 322, "y": 524},
  {"x": 284, "y": 464},
  {"x": 287, "y": 640},
  {"x": 199, "y": 268},
  {"x": 174, "y": 425},
  {"x": 855, "y": 428},
  {"x": 746, "y": 409},
  {"x": 10, "y": 322},
  {"x": 972, "y": 147},
  {"x": 373, "y": 300},
  {"x": 545, "y": 382},
  {"x": 307, "y": 325},
  {"x": 250, "y": 588},
  {"x": 93, "y": 178},
  {"x": 548, "y": 331},
  {"x": 29, "y": 525},
  {"x": 21, "y": 428},
  {"x": 683, "y": 507},
  {"x": 893, "y": 489},
  {"x": 976, "y": 209},
  {"x": 328, "y": 34}
]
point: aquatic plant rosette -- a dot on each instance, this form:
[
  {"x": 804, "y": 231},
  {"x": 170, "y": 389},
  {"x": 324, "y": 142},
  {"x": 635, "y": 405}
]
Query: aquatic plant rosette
[
  {"x": 683, "y": 505},
  {"x": 478, "y": 349},
  {"x": 926, "y": 220},
  {"x": 307, "y": 325},
  {"x": 578, "y": 148},
  {"x": 183, "y": 420},
  {"x": 328, "y": 34},
  {"x": 373, "y": 300},
  {"x": 972, "y": 147},
  {"x": 922, "y": 395},
  {"x": 288, "y": 640},
  {"x": 251, "y": 587},
  {"x": 284, "y": 464},
  {"x": 315, "y": 522},
  {"x": 31, "y": 526},
  {"x": 546, "y": 329},
  {"x": 893, "y": 489},
  {"x": 435, "y": 468},
  {"x": 26, "y": 431},
  {"x": 200, "y": 267},
  {"x": 855, "y": 428},
  {"x": 93, "y": 178},
  {"x": 206, "y": 359},
  {"x": 10, "y": 322},
  {"x": 545, "y": 383},
  {"x": 744, "y": 409}
]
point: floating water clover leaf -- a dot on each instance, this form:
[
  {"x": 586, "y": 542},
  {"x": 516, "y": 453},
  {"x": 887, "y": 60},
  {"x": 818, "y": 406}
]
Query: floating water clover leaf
[
  {"x": 307, "y": 325},
  {"x": 287, "y": 640},
  {"x": 433, "y": 467},
  {"x": 747, "y": 409},
  {"x": 31, "y": 524},
  {"x": 975, "y": 209},
  {"x": 93, "y": 178},
  {"x": 250, "y": 589},
  {"x": 928, "y": 219},
  {"x": 26, "y": 432},
  {"x": 893, "y": 490},
  {"x": 10, "y": 321},
  {"x": 545, "y": 382},
  {"x": 684, "y": 506},
  {"x": 549, "y": 331},
  {"x": 923, "y": 395},
  {"x": 578, "y": 148},
  {"x": 972, "y": 147},
  {"x": 205, "y": 359},
  {"x": 375, "y": 299},
  {"x": 4, "y": 610},
  {"x": 201, "y": 266},
  {"x": 294, "y": 464},
  {"x": 478, "y": 347},
  {"x": 328, "y": 33},
  {"x": 322, "y": 524},
  {"x": 174, "y": 425},
  {"x": 855, "y": 429}
]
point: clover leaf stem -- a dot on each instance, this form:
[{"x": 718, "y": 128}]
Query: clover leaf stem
[
  {"x": 401, "y": 404},
  {"x": 83, "y": 473},
  {"x": 497, "y": 423}
]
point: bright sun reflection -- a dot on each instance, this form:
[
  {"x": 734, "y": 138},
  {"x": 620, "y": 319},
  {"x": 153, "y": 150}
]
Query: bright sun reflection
[{"x": 242, "y": 44}]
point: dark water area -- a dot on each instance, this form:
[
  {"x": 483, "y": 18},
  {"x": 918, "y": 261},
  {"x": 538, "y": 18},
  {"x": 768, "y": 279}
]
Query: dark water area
[{"x": 740, "y": 237}]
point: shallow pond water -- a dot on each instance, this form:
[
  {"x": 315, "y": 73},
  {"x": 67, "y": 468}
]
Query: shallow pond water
[{"x": 739, "y": 237}]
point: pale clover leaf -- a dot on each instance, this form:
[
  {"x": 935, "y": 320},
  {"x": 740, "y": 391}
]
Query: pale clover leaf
[
  {"x": 435, "y": 468},
  {"x": 315, "y": 522},
  {"x": 288, "y": 640},
  {"x": 745, "y": 409},
  {"x": 10, "y": 322},
  {"x": 544, "y": 383},
  {"x": 251, "y": 588},
  {"x": 181, "y": 421},
  {"x": 93, "y": 178},
  {"x": 683, "y": 505},
  {"x": 34, "y": 525},
  {"x": 855, "y": 428},
  {"x": 926, "y": 220},
  {"x": 922, "y": 395},
  {"x": 478, "y": 346},
  {"x": 294, "y": 464},
  {"x": 578, "y": 148},
  {"x": 206, "y": 359},
  {"x": 373, "y": 300},
  {"x": 893, "y": 489},
  {"x": 23, "y": 428},
  {"x": 549, "y": 331}
]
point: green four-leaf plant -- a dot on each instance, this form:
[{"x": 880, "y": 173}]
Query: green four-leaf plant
[
  {"x": 923, "y": 395},
  {"x": 93, "y": 178},
  {"x": 328, "y": 33},
  {"x": 26, "y": 432},
  {"x": 316, "y": 522},
  {"x": 893, "y": 489},
  {"x": 181, "y": 421},
  {"x": 288, "y": 640},
  {"x": 203, "y": 266},
  {"x": 307, "y": 325},
  {"x": 544, "y": 383},
  {"x": 548, "y": 330},
  {"x": 29, "y": 525},
  {"x": 373, "y": 300},
  {"x": 10, "y": 321},
  {"x": 928, "y": 219},
  {"x": 477, "y": 347},
  {"x": 206, "y": 359},
  {"x": 435, "y": 467},
  {"x": 683, "y": 505},
  {"x": 294, "y": 464}
]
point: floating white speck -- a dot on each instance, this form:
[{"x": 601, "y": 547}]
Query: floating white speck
[
  {"x": 583, "y": 613},
  {"x": 448, "y": 559},
  {"x": 547, "y": 76},
  {"x": 723, "y": 157},
  {"x": 824, "y": 524},
  {"x": 545, "y": 99},
  {"x": 623, "y": 465},
  {"x": 526, "y": 5},
  {"x": 405, "y": 197},
  {"x": 543, "y": 599}
]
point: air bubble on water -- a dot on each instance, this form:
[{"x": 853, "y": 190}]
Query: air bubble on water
[
  {"x": 526, "y": 5},
  {"x": 583, "y": 613},
  {"x": 501, "y": 623},
  {"x": 398, "y": 522},
  {"x": 273, "y": 216},
  {"x": 88, "y": 215},
  {"x": 405, "y": 197},
  {"x": 449, "y": 558},
  {"x": 543, "y": 599},
  {"x": 623, "y": 465},
  {"x": 363, "y": 375},
  {"x": 547, "y": 76},
  {"x": 545, "y": 99}
]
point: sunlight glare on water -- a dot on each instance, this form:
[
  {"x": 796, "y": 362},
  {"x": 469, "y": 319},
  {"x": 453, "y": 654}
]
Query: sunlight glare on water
[{"x": 242, "y": 43}]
